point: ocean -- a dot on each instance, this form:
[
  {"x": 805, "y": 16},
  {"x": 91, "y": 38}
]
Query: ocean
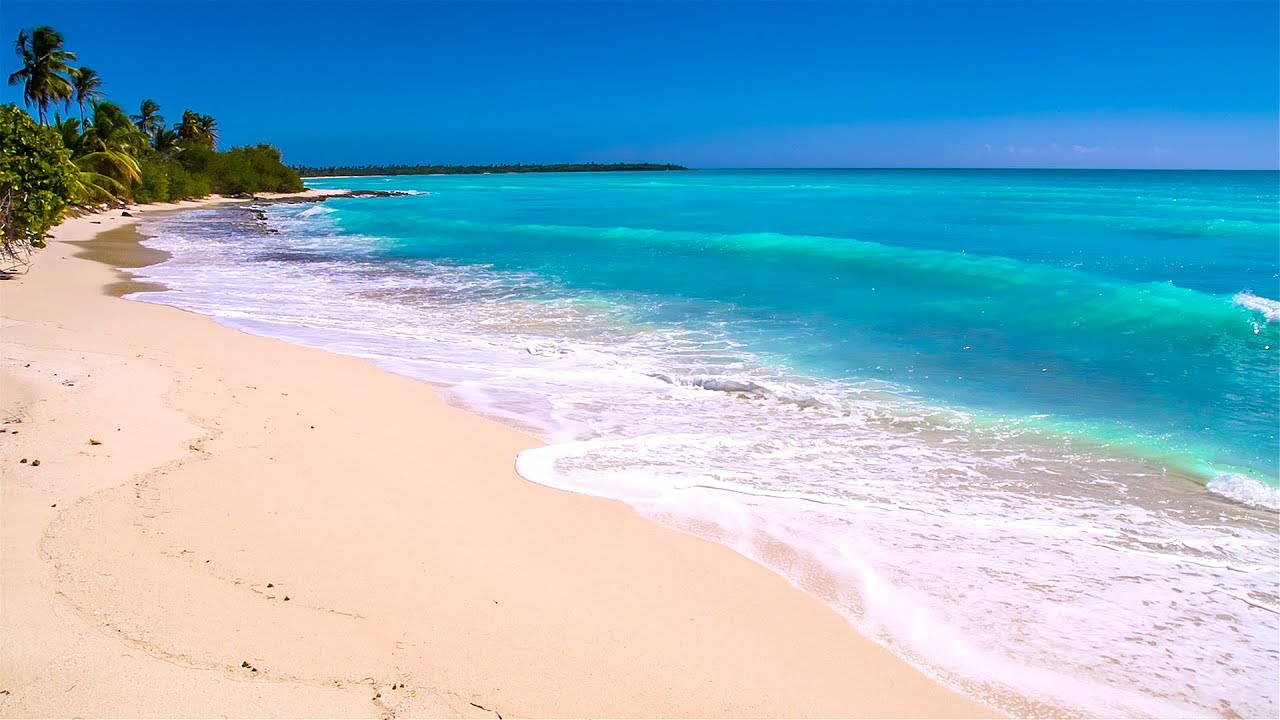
[{"x": 1020, "y": 427}]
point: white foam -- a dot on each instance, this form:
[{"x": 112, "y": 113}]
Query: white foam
[
  {"x": 1269, "y": 308},
  {"x": 1245, "y": 489},
  {"x": 315, "y": 210}
]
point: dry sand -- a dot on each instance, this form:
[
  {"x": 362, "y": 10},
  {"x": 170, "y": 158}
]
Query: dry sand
[{"x": 268, "y": 530}]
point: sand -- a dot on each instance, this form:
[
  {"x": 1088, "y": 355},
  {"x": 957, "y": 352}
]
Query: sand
[{"x": 222, "y": 524}]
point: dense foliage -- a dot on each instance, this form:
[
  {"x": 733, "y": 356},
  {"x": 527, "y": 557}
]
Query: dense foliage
[
  {"x": 107, "y": 155},
  {"x": 251, "y": 170},
  {"x": 36, "y": 178},
  {"x": 306, "y": 171}
]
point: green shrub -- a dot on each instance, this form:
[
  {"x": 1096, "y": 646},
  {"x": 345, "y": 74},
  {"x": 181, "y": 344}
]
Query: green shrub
[
  {"x": 169, "y": 181},
  {"x": 181, "y": 185},
  {"x": 197, "y": 186},
  {"x": 196, "y": 158},
  {"x": 252, "y": 169},
  {"x": 154, "y": 186},
  {"x": 36, "y": 178}
]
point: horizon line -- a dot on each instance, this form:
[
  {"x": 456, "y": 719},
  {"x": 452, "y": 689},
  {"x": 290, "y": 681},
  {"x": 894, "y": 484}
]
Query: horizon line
[{"x": 799, "y": 167}]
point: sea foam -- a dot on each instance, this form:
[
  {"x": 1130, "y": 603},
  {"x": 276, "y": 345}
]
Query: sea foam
[
  {"x": 1245, "y": 489},
  {"x": 1269, "y": 308}
]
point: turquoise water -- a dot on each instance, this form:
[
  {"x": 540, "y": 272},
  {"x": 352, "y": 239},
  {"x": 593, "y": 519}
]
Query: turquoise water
[
  {"x": 1102, "y": 298},
  {"x": 1019, "y": 427}
]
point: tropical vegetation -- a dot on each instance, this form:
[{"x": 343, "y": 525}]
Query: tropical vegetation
[
  {"x": 105, "y": 155},
  {"x": 331, "y": 171},
  {"x": 37, "y": 179}
]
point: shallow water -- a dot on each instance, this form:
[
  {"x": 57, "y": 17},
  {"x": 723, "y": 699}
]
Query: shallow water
[{"x": 1021, "y": 427}]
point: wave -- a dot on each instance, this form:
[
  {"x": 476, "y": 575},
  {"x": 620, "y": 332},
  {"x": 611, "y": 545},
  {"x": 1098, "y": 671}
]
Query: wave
[
  {"x": 726, "y": 385},
  {"x": 1091, "y": 216},
  {"x": 314, "y": 210},
  {"x": 1054, "y": 305},
  {"x": 1245, "y": 489},
  {"x": 1269, "y": 308}
]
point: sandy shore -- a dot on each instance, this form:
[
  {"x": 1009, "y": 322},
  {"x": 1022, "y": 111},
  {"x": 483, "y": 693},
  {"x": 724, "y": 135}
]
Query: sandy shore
[{"x": 222, "y": 524}]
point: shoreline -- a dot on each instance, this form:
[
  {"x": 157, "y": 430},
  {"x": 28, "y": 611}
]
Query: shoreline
[{"x": 273, "y": 530}]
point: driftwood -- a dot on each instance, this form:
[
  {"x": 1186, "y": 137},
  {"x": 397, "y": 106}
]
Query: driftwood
[{"x": 15, "y": 253}]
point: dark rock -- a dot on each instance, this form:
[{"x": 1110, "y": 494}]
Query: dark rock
[
  {"x": 340, "y": 196},
  {"x": 35, "y": 463},
  {"x": 126, "y": 213}
]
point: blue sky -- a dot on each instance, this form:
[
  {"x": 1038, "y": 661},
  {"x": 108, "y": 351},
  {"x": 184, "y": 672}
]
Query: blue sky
[{"x": 708, "y": 84}]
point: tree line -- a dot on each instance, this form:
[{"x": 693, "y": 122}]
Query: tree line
[
  {"x": 106, "y": 155},
  {"x": 333, "y": 170}
]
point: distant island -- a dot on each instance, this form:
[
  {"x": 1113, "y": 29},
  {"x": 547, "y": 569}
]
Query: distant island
[{"x": 306, "y": 171}]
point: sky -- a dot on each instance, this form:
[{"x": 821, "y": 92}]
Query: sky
[{"x": 1105, "y": 83}]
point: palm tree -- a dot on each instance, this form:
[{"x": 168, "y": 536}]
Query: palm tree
[
  {"x": 165, "y": 141},
  {"x": 69, "y": 129},
  {"x": 88, "y": 187},
  {"x": 209, "y": 130},
  {"x": 198, "y": 128},
  {"x": 44, "y": 65},
  {"x": 86, "y": 84},
  {"x": 149, "y": 120},
  {"x": 108, "y": 148},
  {"x": 189, "y": 128}
]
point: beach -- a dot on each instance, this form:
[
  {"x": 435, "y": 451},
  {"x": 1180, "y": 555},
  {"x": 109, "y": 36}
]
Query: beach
[{"x": 226, "y": 524}]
